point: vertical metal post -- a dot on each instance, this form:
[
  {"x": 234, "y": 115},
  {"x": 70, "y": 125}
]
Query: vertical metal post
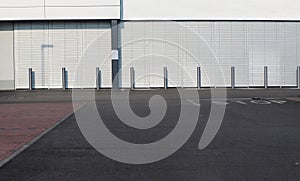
[
  {"x": 298, "y": 77},
  {"x": 199, "y": 77},
  {"x": 115, "y": 54},
  {"x": 165, "y": 77},
  {"x": 232, "y": 77},
  {"x": 266, "y": 77},
  {"x": 115, "y": 74},
  {"x": 132, "y": 77},
  {"x": 97, "y": 78},
  {"x": 63, "y": 78},
  {"x": 30, "y": 78}
]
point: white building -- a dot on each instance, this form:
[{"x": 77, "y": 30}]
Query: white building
[{"x": 245, "y": 34}]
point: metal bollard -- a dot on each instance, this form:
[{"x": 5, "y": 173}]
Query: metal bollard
[
  {"x": 199, "y": 77},
  {"x": 266, "y": 77},
  {"x": 64, "y": 78},
  {"x": 132, "y": 78},
  {"x": 298, "y": 77},
  {"x": 98, "y": 78},
  {"x": 232, "y": 77},
  {"x": 30, "y": 78},
  {"x": 165, "y": 78}
]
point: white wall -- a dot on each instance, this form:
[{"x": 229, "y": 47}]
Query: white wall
[
  {"x": 150, "y": 9},
  {"x": 211, "y": 10},
  {"x": 59, "y": 9},
  {"x": 82, "y": 9},
  {"x": 21, "y": 9},
  {"x": 6, "y": 56}
]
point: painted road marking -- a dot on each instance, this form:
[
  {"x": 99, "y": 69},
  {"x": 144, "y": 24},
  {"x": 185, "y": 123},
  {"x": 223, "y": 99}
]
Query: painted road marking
[
  {"x": 220, "y": 102},
  {"x": 260, "y": 102},
  {"x": 192, "y": 102},
  {"x": 241, "y": 102},
  {"x": 278, "y": 101}
]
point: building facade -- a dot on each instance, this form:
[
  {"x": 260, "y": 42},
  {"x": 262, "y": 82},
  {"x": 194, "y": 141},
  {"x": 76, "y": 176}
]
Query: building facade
[{"x": 181, "y": 35}]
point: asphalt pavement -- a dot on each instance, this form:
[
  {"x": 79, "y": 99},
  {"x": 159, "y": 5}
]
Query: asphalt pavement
[{"x": 259, "y": 139}]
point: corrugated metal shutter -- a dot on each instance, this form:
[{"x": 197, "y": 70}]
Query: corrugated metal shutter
[
  {"x": 48, "y": 46},
  {"x": 289, "y": 57},
  {"x": 248, "y": 46},
  {"x": 57, "y": 52},
  {"x": 239, "y": 53}
]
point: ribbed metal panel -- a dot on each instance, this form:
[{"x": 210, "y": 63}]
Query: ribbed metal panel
[
  {"x": 23, "y": 53},
  {"x": 247, "y": 46},
  {"x": 48, "y": 46},
  {"x": 148, "y": 46},
  {"x": 57, "y": 52}
]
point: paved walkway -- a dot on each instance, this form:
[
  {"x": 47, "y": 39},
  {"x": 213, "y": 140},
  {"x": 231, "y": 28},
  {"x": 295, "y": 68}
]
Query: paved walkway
[{"x": 20, "y": 123}]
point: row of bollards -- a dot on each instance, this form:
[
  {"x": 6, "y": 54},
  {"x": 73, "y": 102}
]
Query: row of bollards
[
  {"x": 165, "y": 70},
  {"x": 31, "y": 78},
  {"x": 266, "y": 83}
]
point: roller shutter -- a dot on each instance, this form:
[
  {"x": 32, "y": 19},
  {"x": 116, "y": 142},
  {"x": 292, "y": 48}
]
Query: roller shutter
[
  {"x": 148, "y": 46},
  {"x": 46, "y": 47}
]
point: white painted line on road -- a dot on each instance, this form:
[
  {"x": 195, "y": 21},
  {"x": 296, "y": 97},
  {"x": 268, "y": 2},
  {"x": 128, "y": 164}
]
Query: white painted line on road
[
  {"x": 194, "y": 103},
  {"x": 260, "y": 102},
  {"x": 241, "y": 102},
  {"x": 235, "y": 99},
  {"x": 227, "y": 99},
  {"x": 220, "y": 102},
  {"x": 278, "y": 101}
]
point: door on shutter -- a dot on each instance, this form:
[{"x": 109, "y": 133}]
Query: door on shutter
[
  {"x": 30, "y": 52},
  {"x": 46, "y": 47}
]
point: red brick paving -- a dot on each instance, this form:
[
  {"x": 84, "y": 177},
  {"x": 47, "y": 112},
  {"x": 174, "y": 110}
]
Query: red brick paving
[
  {"x": 20, "y": 123},
  {"x": 294, "y": 99}
]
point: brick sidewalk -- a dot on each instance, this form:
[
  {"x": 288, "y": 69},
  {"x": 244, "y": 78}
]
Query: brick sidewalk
[
  {"x": 20, "y": 123},
  {"x": 294, "y": 99}
]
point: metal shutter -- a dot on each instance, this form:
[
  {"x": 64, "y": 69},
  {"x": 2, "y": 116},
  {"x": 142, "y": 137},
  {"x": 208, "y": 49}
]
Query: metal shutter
[
  {"x": 48, "y": 46},
  {"x": 248, "y": 46}
]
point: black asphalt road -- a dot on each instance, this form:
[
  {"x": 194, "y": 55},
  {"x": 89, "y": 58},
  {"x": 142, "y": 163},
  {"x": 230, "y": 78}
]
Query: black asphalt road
[{"x": 256, "y": 141}]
